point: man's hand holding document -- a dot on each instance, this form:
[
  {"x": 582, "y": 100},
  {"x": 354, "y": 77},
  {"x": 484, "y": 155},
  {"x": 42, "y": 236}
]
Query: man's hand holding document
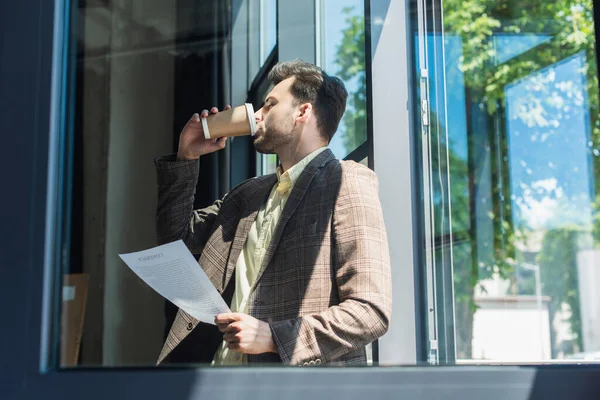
[{"x": 174, "y": 273}]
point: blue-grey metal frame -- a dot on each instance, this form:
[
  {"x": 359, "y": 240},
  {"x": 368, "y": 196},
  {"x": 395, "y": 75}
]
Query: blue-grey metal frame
[{"x": 32, "y": 82}]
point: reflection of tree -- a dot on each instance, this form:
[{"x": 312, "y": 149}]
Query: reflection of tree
[
  {"x": 558, "y": 267},
  {"x": 350, "y": 58},
  {"x": 351, "y": 61},
  {"x": 569, "y": 25}
]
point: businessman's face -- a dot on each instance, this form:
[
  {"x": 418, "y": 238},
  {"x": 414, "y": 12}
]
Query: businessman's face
[{"x": 275, "y": 121}]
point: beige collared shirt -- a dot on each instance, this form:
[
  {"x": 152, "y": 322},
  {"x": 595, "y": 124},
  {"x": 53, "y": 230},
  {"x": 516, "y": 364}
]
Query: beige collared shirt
[{"x": 255, "y": 248}]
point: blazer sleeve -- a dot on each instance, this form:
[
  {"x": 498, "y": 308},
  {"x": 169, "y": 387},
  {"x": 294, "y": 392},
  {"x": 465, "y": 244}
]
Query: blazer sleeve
[
  {"x": 175, "y": 217},
  {"x": 361, "y": 264}
]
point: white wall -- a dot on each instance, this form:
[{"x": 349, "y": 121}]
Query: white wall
[
  {"x": 512, "y": 329},
  {"x": 588, "y": 269},
  {"x": 392, "y": 163}
]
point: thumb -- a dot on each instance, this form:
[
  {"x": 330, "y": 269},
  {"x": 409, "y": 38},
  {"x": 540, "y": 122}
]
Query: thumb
[
  {"x": 218, "y": 144},
  {"x": 221, "y": 142}
]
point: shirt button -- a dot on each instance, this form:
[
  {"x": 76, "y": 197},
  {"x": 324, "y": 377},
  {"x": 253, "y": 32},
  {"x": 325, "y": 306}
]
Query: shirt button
[{"x": 190, "y": 326}]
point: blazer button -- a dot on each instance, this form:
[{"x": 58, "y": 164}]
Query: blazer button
[{"x": 190, "y": 326}]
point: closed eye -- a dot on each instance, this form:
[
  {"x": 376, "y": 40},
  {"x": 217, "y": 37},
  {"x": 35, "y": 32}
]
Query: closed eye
[{"x": 269, "y": 103}]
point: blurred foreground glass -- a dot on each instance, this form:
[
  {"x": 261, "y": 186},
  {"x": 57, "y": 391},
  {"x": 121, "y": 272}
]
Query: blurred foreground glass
[
  {"x": 141, "y": 69},
  {"x": 510, "y": 167}
]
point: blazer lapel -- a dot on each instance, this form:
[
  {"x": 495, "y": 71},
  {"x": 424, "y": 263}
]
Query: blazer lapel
[
  {"x": 296, "y": 196},
  {"x": 261, "y": 190}
]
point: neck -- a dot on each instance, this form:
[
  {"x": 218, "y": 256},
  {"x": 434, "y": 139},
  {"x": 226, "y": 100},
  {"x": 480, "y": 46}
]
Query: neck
[{"x": 292, "y": 155}]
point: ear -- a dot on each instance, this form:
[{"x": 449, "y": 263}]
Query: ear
[{"x": 304, "y": 112}]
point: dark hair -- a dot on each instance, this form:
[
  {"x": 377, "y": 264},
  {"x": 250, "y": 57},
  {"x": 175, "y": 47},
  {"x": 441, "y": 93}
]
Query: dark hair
[{"x": 327, "y": 94}]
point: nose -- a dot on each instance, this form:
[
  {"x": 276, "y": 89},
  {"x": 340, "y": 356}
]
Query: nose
[{"x": 258, "y": 115}]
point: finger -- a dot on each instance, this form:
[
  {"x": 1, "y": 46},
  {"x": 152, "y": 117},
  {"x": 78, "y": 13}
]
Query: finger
[
  {"x": 204, "y": 113},
  {"x": 218, "y": 145},
  {"x": 195, "y": 118},
  {"x": 222, "y": 327},
  {"x": 232, "y": 328},
  {"x": 226, "y": 318},
  {"x": 235, "y": 347},
  {"x": 231, "y": 338},
  {"x": 223, "y": 319},
  {"x": 227, "y": 107},
  {"x": 221, "y": 142},
  {"x": 214, "y": 110}
]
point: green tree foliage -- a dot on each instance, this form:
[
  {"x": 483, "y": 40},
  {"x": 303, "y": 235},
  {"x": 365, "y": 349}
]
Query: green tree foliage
[
  {"x": 558, "y": 271},
  {"x": 350, "y": 58},
  {"x": 568, "y": 26}
]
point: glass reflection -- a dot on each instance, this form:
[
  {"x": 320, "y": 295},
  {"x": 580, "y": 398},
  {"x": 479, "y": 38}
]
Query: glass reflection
[
  {"x": 141, "y": 71},
  {"x": 514, "y": 107},
  {"x": 268, "y": 28},
  {"x": 342, "y": 54}
]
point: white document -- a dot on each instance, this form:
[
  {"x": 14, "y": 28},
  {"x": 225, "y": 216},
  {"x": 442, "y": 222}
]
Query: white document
[{"x": 174, "y": 273}]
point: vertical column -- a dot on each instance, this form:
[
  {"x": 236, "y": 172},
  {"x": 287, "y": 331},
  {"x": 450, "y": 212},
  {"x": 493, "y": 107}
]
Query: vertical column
[
  {"x": 393, "y": 163},
  {"x": 297, "y": 33},
  {"x": 95, "y": 118},
  {"x": 133, "y": 313},
  {"x": 239, "y": 51},
  {"x": 242, "y": 24}
]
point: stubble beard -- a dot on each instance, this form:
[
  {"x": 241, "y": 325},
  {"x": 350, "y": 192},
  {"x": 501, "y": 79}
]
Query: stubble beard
[{"x": 273, "y": 137}]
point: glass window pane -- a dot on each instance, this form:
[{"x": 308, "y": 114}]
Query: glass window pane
[
  {"x": 269, "y": 163},
  {"x": 342, "y": 53},
  {"x": 142, "y": 69},
  {"x": 511, "y": 156},
  {"x": 141, "y": 74},
  {"x": 268, "y": 28},
  {"x": 514, "y": 139}
]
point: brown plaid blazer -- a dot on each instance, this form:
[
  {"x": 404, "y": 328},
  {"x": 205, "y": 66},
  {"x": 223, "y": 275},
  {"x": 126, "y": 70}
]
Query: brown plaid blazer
[{"x": 324, "y": 286}]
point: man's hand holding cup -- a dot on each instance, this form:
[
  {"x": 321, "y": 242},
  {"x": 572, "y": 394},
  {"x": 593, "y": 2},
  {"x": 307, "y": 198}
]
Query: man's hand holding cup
[
  {"x": 208, "y": 132},
  {"x": 192, "y": 141}
]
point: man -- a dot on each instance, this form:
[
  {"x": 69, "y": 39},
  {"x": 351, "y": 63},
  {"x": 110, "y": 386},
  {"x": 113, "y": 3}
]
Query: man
[{"x": 301, "y": 255}]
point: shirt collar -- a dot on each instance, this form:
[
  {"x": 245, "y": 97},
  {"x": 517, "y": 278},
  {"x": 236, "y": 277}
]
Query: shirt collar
[{"x": 292, "y": 174}]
